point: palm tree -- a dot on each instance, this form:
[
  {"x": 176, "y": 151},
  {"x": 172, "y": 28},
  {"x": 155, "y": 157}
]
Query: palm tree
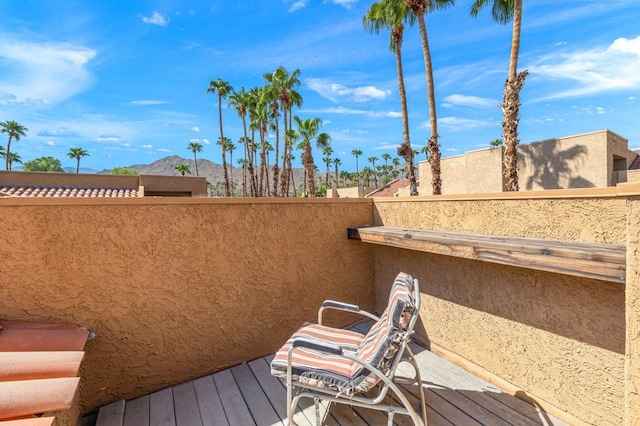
[
  {"x": 195, "y": 147},
  {"x": 392, "y": 14},
  {"x": 14, "y": 157},
  {"x": 357, "y": 153},
  {"x": 230, "y": 147},
  {"x": 323, "y": 142},
  {"x": 308, "y": 129},
  {"x": 503, "y": 12},
  {"x": 419, "y": 7},
  {"x": 373, "y": 160},
  {"x": 242, "y": 162},
  {"x": 222, "y": 88},
  {"x": 396, "y": 164},
  {"x": 242, "y": 102},
  {"x": 15, "y": 131},
  {"x": 336, "y": 163},
  {"x": 77, "y": 153},
  {"x": 183, "y": 169},
  {"x": 425, "y": 150}
]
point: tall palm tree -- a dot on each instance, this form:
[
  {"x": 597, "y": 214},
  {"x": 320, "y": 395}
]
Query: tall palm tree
[
  {"x": 195, "y": 147},
  {"x": 77, "y": 153},
  {"x": 336, "y": 163},
  {"x": 324, "y": 143},
  {"x": 392, "y": 14},
  {"x": 419, "y": 7},
  {"x": 357, "y": 153},
  {"x": 396, "y": 164},
  {"x": 373, "y": 160},
  {"x": 242, "y": 102},
  {"x": 15, "y": 131},
  {"x": 223, "y": 89},
  {"x": 308, "y": 129},
  {"x": 503, "y": 12}
]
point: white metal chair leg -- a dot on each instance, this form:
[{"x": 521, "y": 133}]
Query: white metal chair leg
[{"x": 423, "y": 405}]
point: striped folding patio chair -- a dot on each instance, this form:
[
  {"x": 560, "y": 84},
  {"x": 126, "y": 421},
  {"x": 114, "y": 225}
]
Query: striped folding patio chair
[{"x": 336, "y": 365}]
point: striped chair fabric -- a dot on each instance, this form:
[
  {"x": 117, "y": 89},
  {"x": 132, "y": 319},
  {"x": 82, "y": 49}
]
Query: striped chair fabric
[{"x": 378, "y": 347}]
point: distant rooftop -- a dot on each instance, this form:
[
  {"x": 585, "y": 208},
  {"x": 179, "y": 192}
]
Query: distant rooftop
[{"x": 65, "y": 191}]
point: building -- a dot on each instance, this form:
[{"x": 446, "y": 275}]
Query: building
[
  {"x": 49, "y": 184},
  {"x": 591, "y": 160}
]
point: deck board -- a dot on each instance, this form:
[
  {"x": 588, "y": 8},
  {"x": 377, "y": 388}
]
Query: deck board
[
  {"x": 186, "y": 405},
  {"x": 161, "y": 411},
  {"x": 137, "y": 412},
  {"x": 211, "y": 410},
  {"x": 248, "y": 394}
]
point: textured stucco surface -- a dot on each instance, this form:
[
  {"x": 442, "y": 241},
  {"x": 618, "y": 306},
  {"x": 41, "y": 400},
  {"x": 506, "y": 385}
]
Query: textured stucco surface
[
  {"x": 632, "y": 367},
  {"x": 178, "y": 289},
  {"x": 579, "y": 161},
  {"x": 559, "y": 338}
]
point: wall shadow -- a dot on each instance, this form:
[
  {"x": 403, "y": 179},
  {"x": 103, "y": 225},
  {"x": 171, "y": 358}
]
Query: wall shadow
[{"x": 551, "y": 165}]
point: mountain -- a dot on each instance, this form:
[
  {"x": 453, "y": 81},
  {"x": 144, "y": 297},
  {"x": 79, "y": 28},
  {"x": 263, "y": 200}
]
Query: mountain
[{"x": 212, "y": 171}]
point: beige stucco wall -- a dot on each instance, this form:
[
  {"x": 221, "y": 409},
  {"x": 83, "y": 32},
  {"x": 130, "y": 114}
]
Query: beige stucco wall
[
  {"x": 477, "y": 171},
  {"x": 560, "y": 339},
  {"x": 632, "y": 315},
  {"x": 178, "y": 288},
  {"x": 579, "y": 161}
]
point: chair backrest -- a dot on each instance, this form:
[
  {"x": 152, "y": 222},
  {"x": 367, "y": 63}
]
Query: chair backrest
[{"x": 384, "y": 341}]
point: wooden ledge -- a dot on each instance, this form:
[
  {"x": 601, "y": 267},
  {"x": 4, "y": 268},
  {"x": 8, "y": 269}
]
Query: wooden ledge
[{"x": 599, "y": 261}]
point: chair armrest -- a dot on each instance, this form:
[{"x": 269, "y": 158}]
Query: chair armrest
[
  {"x": 340, "y": 306},
  {"x": 317, "y": 345}
]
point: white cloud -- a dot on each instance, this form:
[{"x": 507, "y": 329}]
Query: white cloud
[
  {"x": 350, "y": 111},
  {"x": 42, "y": 73},
  {"x": 386, "y": 146},
  {"x": 61, "y": 132},
  {"x": 451, "y": 150},
  {"x": 593, "y": 71},
  {"x": 470, "y": 101},
  {"x": 50, "y": 143},
  {"x": 335, "y": 91},
  {"x": 148, "y": 102},
  {"x": 195, "y": 129},
  {"x": 347, "y": 4},
  {"x": 146, "y": 146},
  {"x": 109, "y": 139},
  {"x": 298, "y": 5},
  {"x": 198, "y": 140},
  {"x": 163, "y": 150},
  {"x": 156, "y": 19},
  {"x": 461, "y": 124}
]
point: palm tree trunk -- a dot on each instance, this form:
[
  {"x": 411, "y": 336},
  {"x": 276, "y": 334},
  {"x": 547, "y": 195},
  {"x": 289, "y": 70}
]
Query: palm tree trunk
[
  {"x": 78, "y": 166},
  {"x": 8, "y": 153},
  {"x": 224, "y": 151},
  {"x": 307, "y": 160},
  {"x": 511, "y": 105},
  {"x": 404, "y": 150},
  {"x": 433, "y": 145},
  {"x": 276, "y": 170},
  {"x": 195, "y": 160}
]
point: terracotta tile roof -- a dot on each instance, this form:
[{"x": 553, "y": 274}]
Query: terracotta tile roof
[
  {"x": 65, "y": 191},
  {"x": 39, "y": 364},
  {"x": 390, "y": 189}
]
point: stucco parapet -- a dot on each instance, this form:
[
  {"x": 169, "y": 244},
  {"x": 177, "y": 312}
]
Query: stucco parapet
[
  {"x": 622, "y": 190},
  {"x": 19, "y": 201}
]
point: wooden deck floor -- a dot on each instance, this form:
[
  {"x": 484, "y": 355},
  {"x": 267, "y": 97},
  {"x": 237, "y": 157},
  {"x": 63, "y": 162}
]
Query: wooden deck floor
[{"x": 247, "y": 394}]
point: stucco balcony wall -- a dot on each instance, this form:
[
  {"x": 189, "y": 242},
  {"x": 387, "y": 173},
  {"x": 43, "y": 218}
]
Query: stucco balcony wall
[
  {"x": 178, "y": 288},
  {"x": 558, "y": 339}
]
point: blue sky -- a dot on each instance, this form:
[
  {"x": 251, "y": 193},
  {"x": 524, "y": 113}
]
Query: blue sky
[{"x": 127, "y": 80}]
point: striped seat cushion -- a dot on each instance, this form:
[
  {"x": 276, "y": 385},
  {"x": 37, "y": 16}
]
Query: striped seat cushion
[{"x": 378, "y": 347}]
